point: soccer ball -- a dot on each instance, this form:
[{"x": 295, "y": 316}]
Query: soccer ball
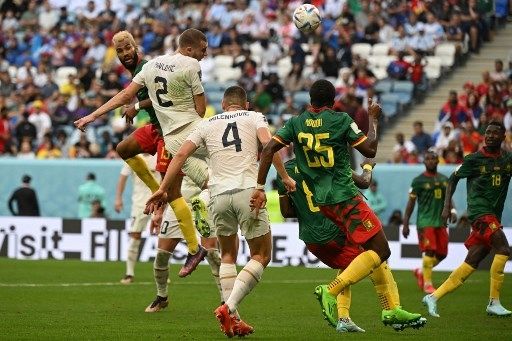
[{"x": 307, "y": 18}]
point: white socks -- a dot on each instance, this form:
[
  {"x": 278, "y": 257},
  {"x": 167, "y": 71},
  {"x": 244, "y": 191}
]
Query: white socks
[
  {"x": 133, "y": 253},
  {"x": 161, "y": 271},
  {"x": 246, "y": 280},
  {"x": 213, "y": 258}
]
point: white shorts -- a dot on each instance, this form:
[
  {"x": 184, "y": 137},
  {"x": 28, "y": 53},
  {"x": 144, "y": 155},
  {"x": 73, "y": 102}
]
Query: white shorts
[
  {"x": 231, "y": 209},
  {"x": 195, "y": 167},
  {"x": 139, "y": 220},
  {"x": 169, "y": 227}
]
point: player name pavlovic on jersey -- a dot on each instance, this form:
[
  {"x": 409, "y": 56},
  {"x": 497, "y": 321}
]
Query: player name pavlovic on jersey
[
  {"x": 430, "y": 191},
  {"x": 232, "y": 144},
  {"x": 172, "y": 82}
]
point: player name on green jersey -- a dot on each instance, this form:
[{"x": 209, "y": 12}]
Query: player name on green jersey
[
  {"x": 488, "y": 177},
  {"x": 314, "y": 227},
  {"x": 430, "y": 191},
  {"x": 320, "y": 145},
  {"x": 143, "y": 94}
]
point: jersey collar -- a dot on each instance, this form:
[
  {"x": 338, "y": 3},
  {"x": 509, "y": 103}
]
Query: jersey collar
[
  {"x": 489, "y": 154},
  {"x": 430, "y": 174},
  {"x": 318, "y": 110}
]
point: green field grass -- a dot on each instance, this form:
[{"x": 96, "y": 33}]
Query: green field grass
[{"x": 36, "y": 304}]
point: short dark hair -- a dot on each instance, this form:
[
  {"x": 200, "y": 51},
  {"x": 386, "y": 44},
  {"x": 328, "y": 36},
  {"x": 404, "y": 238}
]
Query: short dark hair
[
  {"x": 26, "y": 179},
  {"x": 418, "y": 123},
  {"x": 91, "y": 176},
  {"x": 235, "y": 95},
  {"x": 191, "y": 37},
  {"x": 499, "y": 125},
  {"x": 322, "y": 93}
]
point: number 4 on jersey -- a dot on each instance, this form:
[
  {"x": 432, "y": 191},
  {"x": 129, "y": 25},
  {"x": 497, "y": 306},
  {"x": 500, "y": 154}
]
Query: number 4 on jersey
[{"x": 236, "y": 138}]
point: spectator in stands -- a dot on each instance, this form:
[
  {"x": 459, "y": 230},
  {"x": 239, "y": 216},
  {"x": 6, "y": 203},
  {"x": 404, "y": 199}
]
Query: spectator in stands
[
  {"x": 470, "y": 139},
  {"x": 433, "y": 28},
  {"x": 386, "y": 31},
  {"x": 261, "y": 99},
  {"x": 473, "y": 109},
  {"x": 446, "y": 135},
  {"x": 62, "y": 142},
  {"x": 294, "y": 80},
  {"x": 329, "y": 62},
  {"x": 25, "y": 130},
  {"x": 5, "y": 134},
  {"x": 455, "y": 33},
  {"x": 400, "y": 42},
  {"x": 275, "y": 89},
  {"x": 417, "y": 75},
  {"x": 399, "y": 68},
  {"x": 395, "y": 220},
  {"x": 402, "y": 149},
  {"x": 507, "y": 119},
  {"x": 452, "y": 111},
  {"x": 422, "y": 42},
  {"x": 47, "y": 149},
  {"x": 471, "y": 23},
  {"x": 484, "y": 122},
  {"x": 498, "y": 75},
  {"x": 375, "y": 199},
  {"x": 493, "y": 104},
  {"x": 81, "y": 149},
  {"x": 40, "y": 119},
  {"x": 484, "y": 86},
  {"x": 422, "y": 141},
  {"x": 25, "y": 198}
]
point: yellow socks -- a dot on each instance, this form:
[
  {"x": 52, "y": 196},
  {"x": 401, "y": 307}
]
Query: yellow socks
[
  {"x": 358, "y": 269},
  {"x": 497, "y": 276},
  {"x": 428, "y": 264},
  {"x": 343, "y": 300},
  {"x": 184, "y": 216},
  {"x": 457, "y": 277},
  {"x": 385, "y": 286},
  {"x": 140, "y": 167}
]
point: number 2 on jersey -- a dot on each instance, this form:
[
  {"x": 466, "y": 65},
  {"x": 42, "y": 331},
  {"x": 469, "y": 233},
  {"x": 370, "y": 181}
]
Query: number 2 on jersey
[
  {"x": 315, "y": 161},
  {"x": 236, "y": 138},
  {"x": 162, "y": 91}
]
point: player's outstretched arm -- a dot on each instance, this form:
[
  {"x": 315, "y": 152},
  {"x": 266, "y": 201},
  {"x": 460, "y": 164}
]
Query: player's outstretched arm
[
  {"x": 286, "y": 207},
  {"x": 364, "y": 179},
  {"x": 369, "y": 146},
  {"x": 123, "y": 97},
  {"x": 450, "y": 189},
  {"x": 407, "y": 214}
]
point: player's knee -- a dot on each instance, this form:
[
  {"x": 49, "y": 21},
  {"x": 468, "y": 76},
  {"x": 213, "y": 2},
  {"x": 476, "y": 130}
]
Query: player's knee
[
  {"x": 504, "y": 251},
  {"x": 440, "y": 257},
  {"x": 384, "y": 253},
  {"x": 122, "y": 150}
]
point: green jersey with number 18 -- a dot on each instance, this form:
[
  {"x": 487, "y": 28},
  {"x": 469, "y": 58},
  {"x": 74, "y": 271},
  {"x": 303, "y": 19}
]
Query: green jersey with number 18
[
  {"x": 320, "y": 146},
  {"x": 430, "y": 189},
  {"x": 488, "y": 176},
  {"x": 172, "y": 82}
]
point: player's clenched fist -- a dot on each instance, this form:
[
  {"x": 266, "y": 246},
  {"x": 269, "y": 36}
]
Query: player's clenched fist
[{"x": 374, "y": 109}]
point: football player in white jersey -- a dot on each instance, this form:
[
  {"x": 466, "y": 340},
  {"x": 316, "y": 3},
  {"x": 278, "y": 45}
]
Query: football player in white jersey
[
  {"x": 140, "y": 193},
  {"x": 231, "y": 140},
  {"x": 177, "y": 95}
]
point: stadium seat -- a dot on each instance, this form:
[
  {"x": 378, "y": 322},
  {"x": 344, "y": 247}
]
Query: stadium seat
[
  {"x": 433, "y": 67},
  {"x": 223, "y": 61},
  {"x": 380, "y": 49},
  {"x": 390, "y": 103},
  {"x": 383, "y": 61},
  {"x": 361, "y": 49},
  {"x": 310, "y": 60},
  {"x": 373, "y": 61},
  {"x": 383, "y": 86},
  {"x": 213, "y": 86},
  {"x": 300, "y": 98},
  {"x": 224, "y": 74},
  {"x": 446, "y": 51},
  {"x": 256, "y": 49},
  {"x": 380, "y": 73},
  {"x": 284, "y": 66},
  {"x": 404, "y": 90}
]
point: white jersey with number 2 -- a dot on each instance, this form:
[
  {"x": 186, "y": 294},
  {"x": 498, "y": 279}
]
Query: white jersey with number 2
[
  {"x": 231, "y": 141},
  {"x": 172, "y": 82}
]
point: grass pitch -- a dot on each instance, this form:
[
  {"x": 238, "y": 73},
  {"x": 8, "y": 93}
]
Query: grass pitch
[{"x": 63, "y": 300}]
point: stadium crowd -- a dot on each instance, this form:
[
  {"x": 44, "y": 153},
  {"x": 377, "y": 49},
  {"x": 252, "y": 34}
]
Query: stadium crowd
[
  {"x": 57, "y": 63},
  {"x": 463, "y": 119}
]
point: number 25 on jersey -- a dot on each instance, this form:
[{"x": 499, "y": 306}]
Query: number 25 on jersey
[{"x": 312, "y": 144}]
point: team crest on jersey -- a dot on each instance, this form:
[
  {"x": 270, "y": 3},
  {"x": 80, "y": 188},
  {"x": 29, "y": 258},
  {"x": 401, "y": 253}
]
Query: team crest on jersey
[
  {"x": 368, "y": 225},
  {"x": 483, "y": 170},
  {"x": 355, "y": 128},
  {"x": 493, "y": 226},
  {"x": 427, "y": 186}
]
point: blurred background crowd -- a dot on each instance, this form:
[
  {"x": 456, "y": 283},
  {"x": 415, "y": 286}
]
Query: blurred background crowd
[{"x": 57, "y": 64}]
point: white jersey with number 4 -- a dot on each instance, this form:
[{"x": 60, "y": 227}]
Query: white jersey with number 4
[
  {"x": 231, "y": 141},
  {"x": 172, "y": 82}
]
